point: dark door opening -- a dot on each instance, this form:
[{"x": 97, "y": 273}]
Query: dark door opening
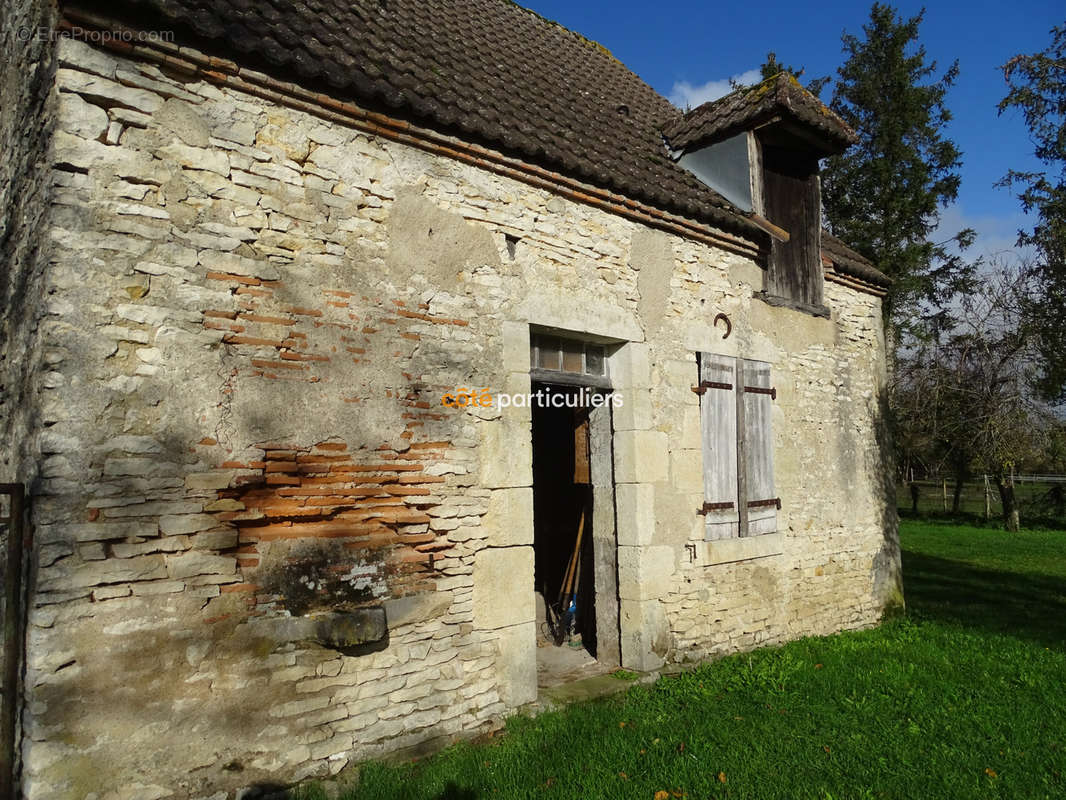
[{"x": 563, "y": 507}]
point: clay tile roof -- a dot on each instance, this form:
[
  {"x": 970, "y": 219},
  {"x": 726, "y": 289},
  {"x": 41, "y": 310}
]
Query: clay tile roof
[
  {"x": 779, "y": 96},
  {"x": 483, "y": 70},
  {"x": 849, "y": 262}
]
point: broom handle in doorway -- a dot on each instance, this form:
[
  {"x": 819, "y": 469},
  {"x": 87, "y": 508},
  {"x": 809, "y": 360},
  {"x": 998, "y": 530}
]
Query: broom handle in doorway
[
  {"x": 564, "y": 587},
  {"x": 571, "y": 568}
]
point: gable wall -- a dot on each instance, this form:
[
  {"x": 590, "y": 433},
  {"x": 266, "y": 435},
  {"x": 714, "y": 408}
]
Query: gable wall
[
  {"x": 255, "y": 316},
  {"x": 26, "y": 118}
]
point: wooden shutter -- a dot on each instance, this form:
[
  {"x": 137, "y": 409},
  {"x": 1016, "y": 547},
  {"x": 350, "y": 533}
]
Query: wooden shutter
[
  {"x": 758, "y": 448},
  {"x": 718, "y": 421},
  {"x": 792, "y": 200}
]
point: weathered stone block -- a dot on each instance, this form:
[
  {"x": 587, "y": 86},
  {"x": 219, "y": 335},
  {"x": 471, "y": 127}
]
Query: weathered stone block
[
  {"x": 517, "y": 384},
  {"x": 90, "y": 154},
  {"x": 88, "y": 85},
  {"x": 416, "y": 608},
  {"x": 516, "y": 664},
  {"x": 641, "y": 457},
  {"x": 503, "y": 587},
  {"x": 188, "y": 565},
  {"x": 509, "y": 520},
  {"x": 686, "y": 471},
  {"x": 339, "y": 630},
  {"x": 140, "y": 467},
  {"x": 173, "y": 525},
  {"x": 691, "y": 428},
  {"x": 197, "y": 157},
  {"x": 210, "y": 480},
  {"x": 214, "y": 540},
  {"x": 294, "y": 707},
  {"x": 506, "y": 454},
  {"x": 76, "y": 53},
  {"x": 631, "y": 366},
  {"x": 60, "y": 577},
  {"x": 515, "y": 339},
  {"x": 130, "y": 507},
  {"x": 635, "y": 412},
  {"x": 645, "y": 634},
  {"x": 644, "y": 573},
  {"x": 182, "y": 119},
  {"x": 95, "y": 531},
  {"x": 725, "y": 551},
  {"x": 153, "y": 545},
  {"x": 635, "y": 505},
  {"x": 239, "y": 265},
  {"x": 81, "y": 118}
]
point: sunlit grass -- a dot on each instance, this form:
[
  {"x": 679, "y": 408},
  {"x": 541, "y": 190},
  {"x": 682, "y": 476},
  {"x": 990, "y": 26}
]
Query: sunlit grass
[{"x": 965, "y": 697}]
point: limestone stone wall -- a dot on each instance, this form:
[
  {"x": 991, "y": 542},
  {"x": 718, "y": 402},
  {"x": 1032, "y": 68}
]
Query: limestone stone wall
[
  {"x": 254, "y": 316},
  {"x": 835, "y": 564},
  {"x": 26, "y": 72},
  {"x": 26, "y": 115}
]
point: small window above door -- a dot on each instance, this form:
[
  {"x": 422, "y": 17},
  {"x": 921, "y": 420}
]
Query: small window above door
[{"x": 567, "y": 360}]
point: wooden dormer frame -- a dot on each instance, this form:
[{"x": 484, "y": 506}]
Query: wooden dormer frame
[{"x": 785, "y": 181}]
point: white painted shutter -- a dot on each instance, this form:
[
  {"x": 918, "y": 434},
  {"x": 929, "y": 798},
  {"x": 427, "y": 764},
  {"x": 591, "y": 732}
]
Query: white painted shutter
[
  {"x": 758, "y": 456},
  {"x": 718, "y": 420}
]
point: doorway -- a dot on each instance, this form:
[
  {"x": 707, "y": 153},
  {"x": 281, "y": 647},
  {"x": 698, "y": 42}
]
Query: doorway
[{"x": 575, "y": 552}]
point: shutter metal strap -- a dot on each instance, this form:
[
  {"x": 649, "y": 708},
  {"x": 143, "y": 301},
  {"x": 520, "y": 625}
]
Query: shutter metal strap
[
  {"x": 705, "y": 385},
  {"x": 714, "y": 507},
  {"x": 760, "y": 390}
]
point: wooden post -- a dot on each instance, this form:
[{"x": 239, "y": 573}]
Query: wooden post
[
  {"x": 988, "y": 499},
  {"x": 945, "y": 494}
]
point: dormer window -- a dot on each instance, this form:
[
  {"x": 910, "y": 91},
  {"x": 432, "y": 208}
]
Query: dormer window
[
  {"x": 759, "y": 148},
  {"x": 792, "y": 200}
]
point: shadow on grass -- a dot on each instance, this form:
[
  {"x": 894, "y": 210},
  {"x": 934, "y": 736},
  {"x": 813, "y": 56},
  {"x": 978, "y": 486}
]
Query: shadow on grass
[
  {"x": 453, "y": 792},
  {"x": 1024, "y": 605},
  {"x": 1031, "y": 519}
]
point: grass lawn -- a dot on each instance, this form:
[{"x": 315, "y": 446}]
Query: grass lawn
[{"x": 963, "y": 698}]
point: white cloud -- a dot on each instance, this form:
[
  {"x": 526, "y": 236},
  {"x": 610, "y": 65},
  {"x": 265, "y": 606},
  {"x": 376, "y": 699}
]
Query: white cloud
[
  {"x": 685, "y": 95},
  {"x": 996, "y": 235}
]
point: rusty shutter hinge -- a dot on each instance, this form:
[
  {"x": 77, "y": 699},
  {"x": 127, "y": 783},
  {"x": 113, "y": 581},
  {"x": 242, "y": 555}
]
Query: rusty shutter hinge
[
  {"x": 705, "y": 385},
  {"x": 714, "y": 507},
  {"x": 760, "y": 390},
  {"x": 775, "y": 501}
]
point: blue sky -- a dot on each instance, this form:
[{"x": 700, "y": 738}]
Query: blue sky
[{"x": 681, "y": 47}]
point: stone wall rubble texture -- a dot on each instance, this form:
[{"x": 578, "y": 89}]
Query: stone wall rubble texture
[
  {"x": 253, "y": 316},
  {"x": 26, "y": 117},
  {"x": 27, "y": 108}
]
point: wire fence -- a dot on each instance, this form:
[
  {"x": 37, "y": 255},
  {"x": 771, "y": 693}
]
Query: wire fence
[{"x": 1039, "y": 497}]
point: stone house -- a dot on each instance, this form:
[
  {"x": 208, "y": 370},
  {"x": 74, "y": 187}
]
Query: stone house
[{"x": 326, "y": 328}]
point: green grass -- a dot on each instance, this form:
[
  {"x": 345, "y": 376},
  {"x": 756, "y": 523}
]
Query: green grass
[{"x": 965, "y": 697}]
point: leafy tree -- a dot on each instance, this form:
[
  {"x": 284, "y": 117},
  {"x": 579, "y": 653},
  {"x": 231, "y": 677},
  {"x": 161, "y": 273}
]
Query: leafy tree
[
  {"x": 772, "y": 67},
  {"x": 965, "y": 393},
  {"x": 1037, "y": 88},
  {"x": 883, "y": 196}
]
